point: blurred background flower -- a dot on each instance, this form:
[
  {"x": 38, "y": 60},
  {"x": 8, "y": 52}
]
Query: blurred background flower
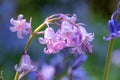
[{"x": 95, "y": 14}]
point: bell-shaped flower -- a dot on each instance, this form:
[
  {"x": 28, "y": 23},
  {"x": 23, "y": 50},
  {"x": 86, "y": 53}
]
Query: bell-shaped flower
[
  {"x": 75, "y": 34},
  {"x": 20, "y": 26},
  {"x": 114, "y": 29},
  {"x": 113, "y": 26},
  {"x": 25, "y": 64},
  {"x": 49, "y": 35},
  {"x": 69, "y": 34}
]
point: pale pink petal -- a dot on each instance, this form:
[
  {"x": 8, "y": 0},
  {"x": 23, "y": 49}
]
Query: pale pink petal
[
  {"x": 42, "y": 40},
  {"x": 73, "y": 18},
  {"x": 89, "y": 47},
  {"x": 26, "y": 25},
  {"x": 19, "y": 34},
  {"x": 25, "y": 31},
  {"x": 13, "y": 29},
  {"x": 48, "y": 51},
  {"x": 66, "y": 27},
  {"x": 20, "y": 17},
  {"x": 14, "y": 22},
  {"x": 49, "y": 33},
  {"x": 59, "y": 45}
]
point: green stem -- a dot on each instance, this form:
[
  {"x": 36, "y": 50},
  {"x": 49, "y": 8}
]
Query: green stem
[
  {"x": 16, "y": 76},
  {"x": 35, "y": 31},
  {"x": 31, "y": 38},
  {"x": 108, "y": 60}
]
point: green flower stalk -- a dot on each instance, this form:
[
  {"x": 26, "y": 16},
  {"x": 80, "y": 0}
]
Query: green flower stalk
[
  {"x": 31, "y": 38},
  {"x": 114, "y": 32},
  {"x": 108, "y": 60},
  {"x": 69, "y": 34}
]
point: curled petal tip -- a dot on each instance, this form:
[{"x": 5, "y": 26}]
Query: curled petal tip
[
  {"x": 107, "y": 39},
  {"x": 17, "y": 68},
  {"x": 20, "y": 17}
]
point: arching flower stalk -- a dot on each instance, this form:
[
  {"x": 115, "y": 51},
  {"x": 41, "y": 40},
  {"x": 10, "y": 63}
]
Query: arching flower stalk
[{"x": 69, "y": 33}]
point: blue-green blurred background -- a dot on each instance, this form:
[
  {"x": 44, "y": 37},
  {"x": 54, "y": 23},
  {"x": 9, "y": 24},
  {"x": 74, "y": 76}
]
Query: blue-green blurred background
[{"x": 94, "y": 13}]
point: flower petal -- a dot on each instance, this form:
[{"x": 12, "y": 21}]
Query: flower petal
[
  {"x": 42, "y": 40},
  {"x": 20, "y": 17},
  {"x": 19, "y": 34},
  {"x": 13, "y": 29},
  {"x": 14, "y": 22}
]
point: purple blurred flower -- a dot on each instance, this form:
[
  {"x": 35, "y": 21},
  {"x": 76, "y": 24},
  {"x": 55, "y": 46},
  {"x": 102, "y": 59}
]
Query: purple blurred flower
[
  {"x": 113, "y": 26},
  {"x": 47, "y": 73},
  {"x": 79, "y": 61},
  {"x": 20, "y": 26},
  {"x": 116, "y": 58},
  {"x": 58, "y": 62},
  {"x": 78, "y": 74},
  {"x": 25, "y": 64}
]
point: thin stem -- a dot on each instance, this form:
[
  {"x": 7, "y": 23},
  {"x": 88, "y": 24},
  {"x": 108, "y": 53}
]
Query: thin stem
[
  {"x": 31, "y": 38},
  {"x": 16, "y": 76},
  {"x": 1, "y": 76},
  {"x": 35, "y": 31},
  {"x": 70, "y": 73},
  {"x": 108, "y": 60}
]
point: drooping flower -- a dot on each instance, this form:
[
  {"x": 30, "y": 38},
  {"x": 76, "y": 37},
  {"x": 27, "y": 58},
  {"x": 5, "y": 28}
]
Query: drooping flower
[
  {"x": 76, "y": 35},
  {"x": 25, "y": 64},
  {"x": 69, "y": 34},
  {"x": 20, "y": 26},
  {"x": 113, "y": 26},
  {"x": 83, "y": 40}
]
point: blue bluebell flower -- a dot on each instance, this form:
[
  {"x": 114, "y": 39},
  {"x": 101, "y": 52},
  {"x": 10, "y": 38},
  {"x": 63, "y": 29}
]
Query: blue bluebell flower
[{"x": 113, "y": 26}]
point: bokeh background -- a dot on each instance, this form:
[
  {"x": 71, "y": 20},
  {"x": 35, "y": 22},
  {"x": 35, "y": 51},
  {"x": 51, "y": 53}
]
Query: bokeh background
[{"x": 94, "y": 13}]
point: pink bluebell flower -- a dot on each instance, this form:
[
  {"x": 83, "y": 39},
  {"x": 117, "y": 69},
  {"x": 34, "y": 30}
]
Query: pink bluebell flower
[
  {"x": 25, "y": 64},
  {"x": 69, "y": 34},
  {"x": 113, "y": 26},
  {"x": 20, "y": 26}
]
